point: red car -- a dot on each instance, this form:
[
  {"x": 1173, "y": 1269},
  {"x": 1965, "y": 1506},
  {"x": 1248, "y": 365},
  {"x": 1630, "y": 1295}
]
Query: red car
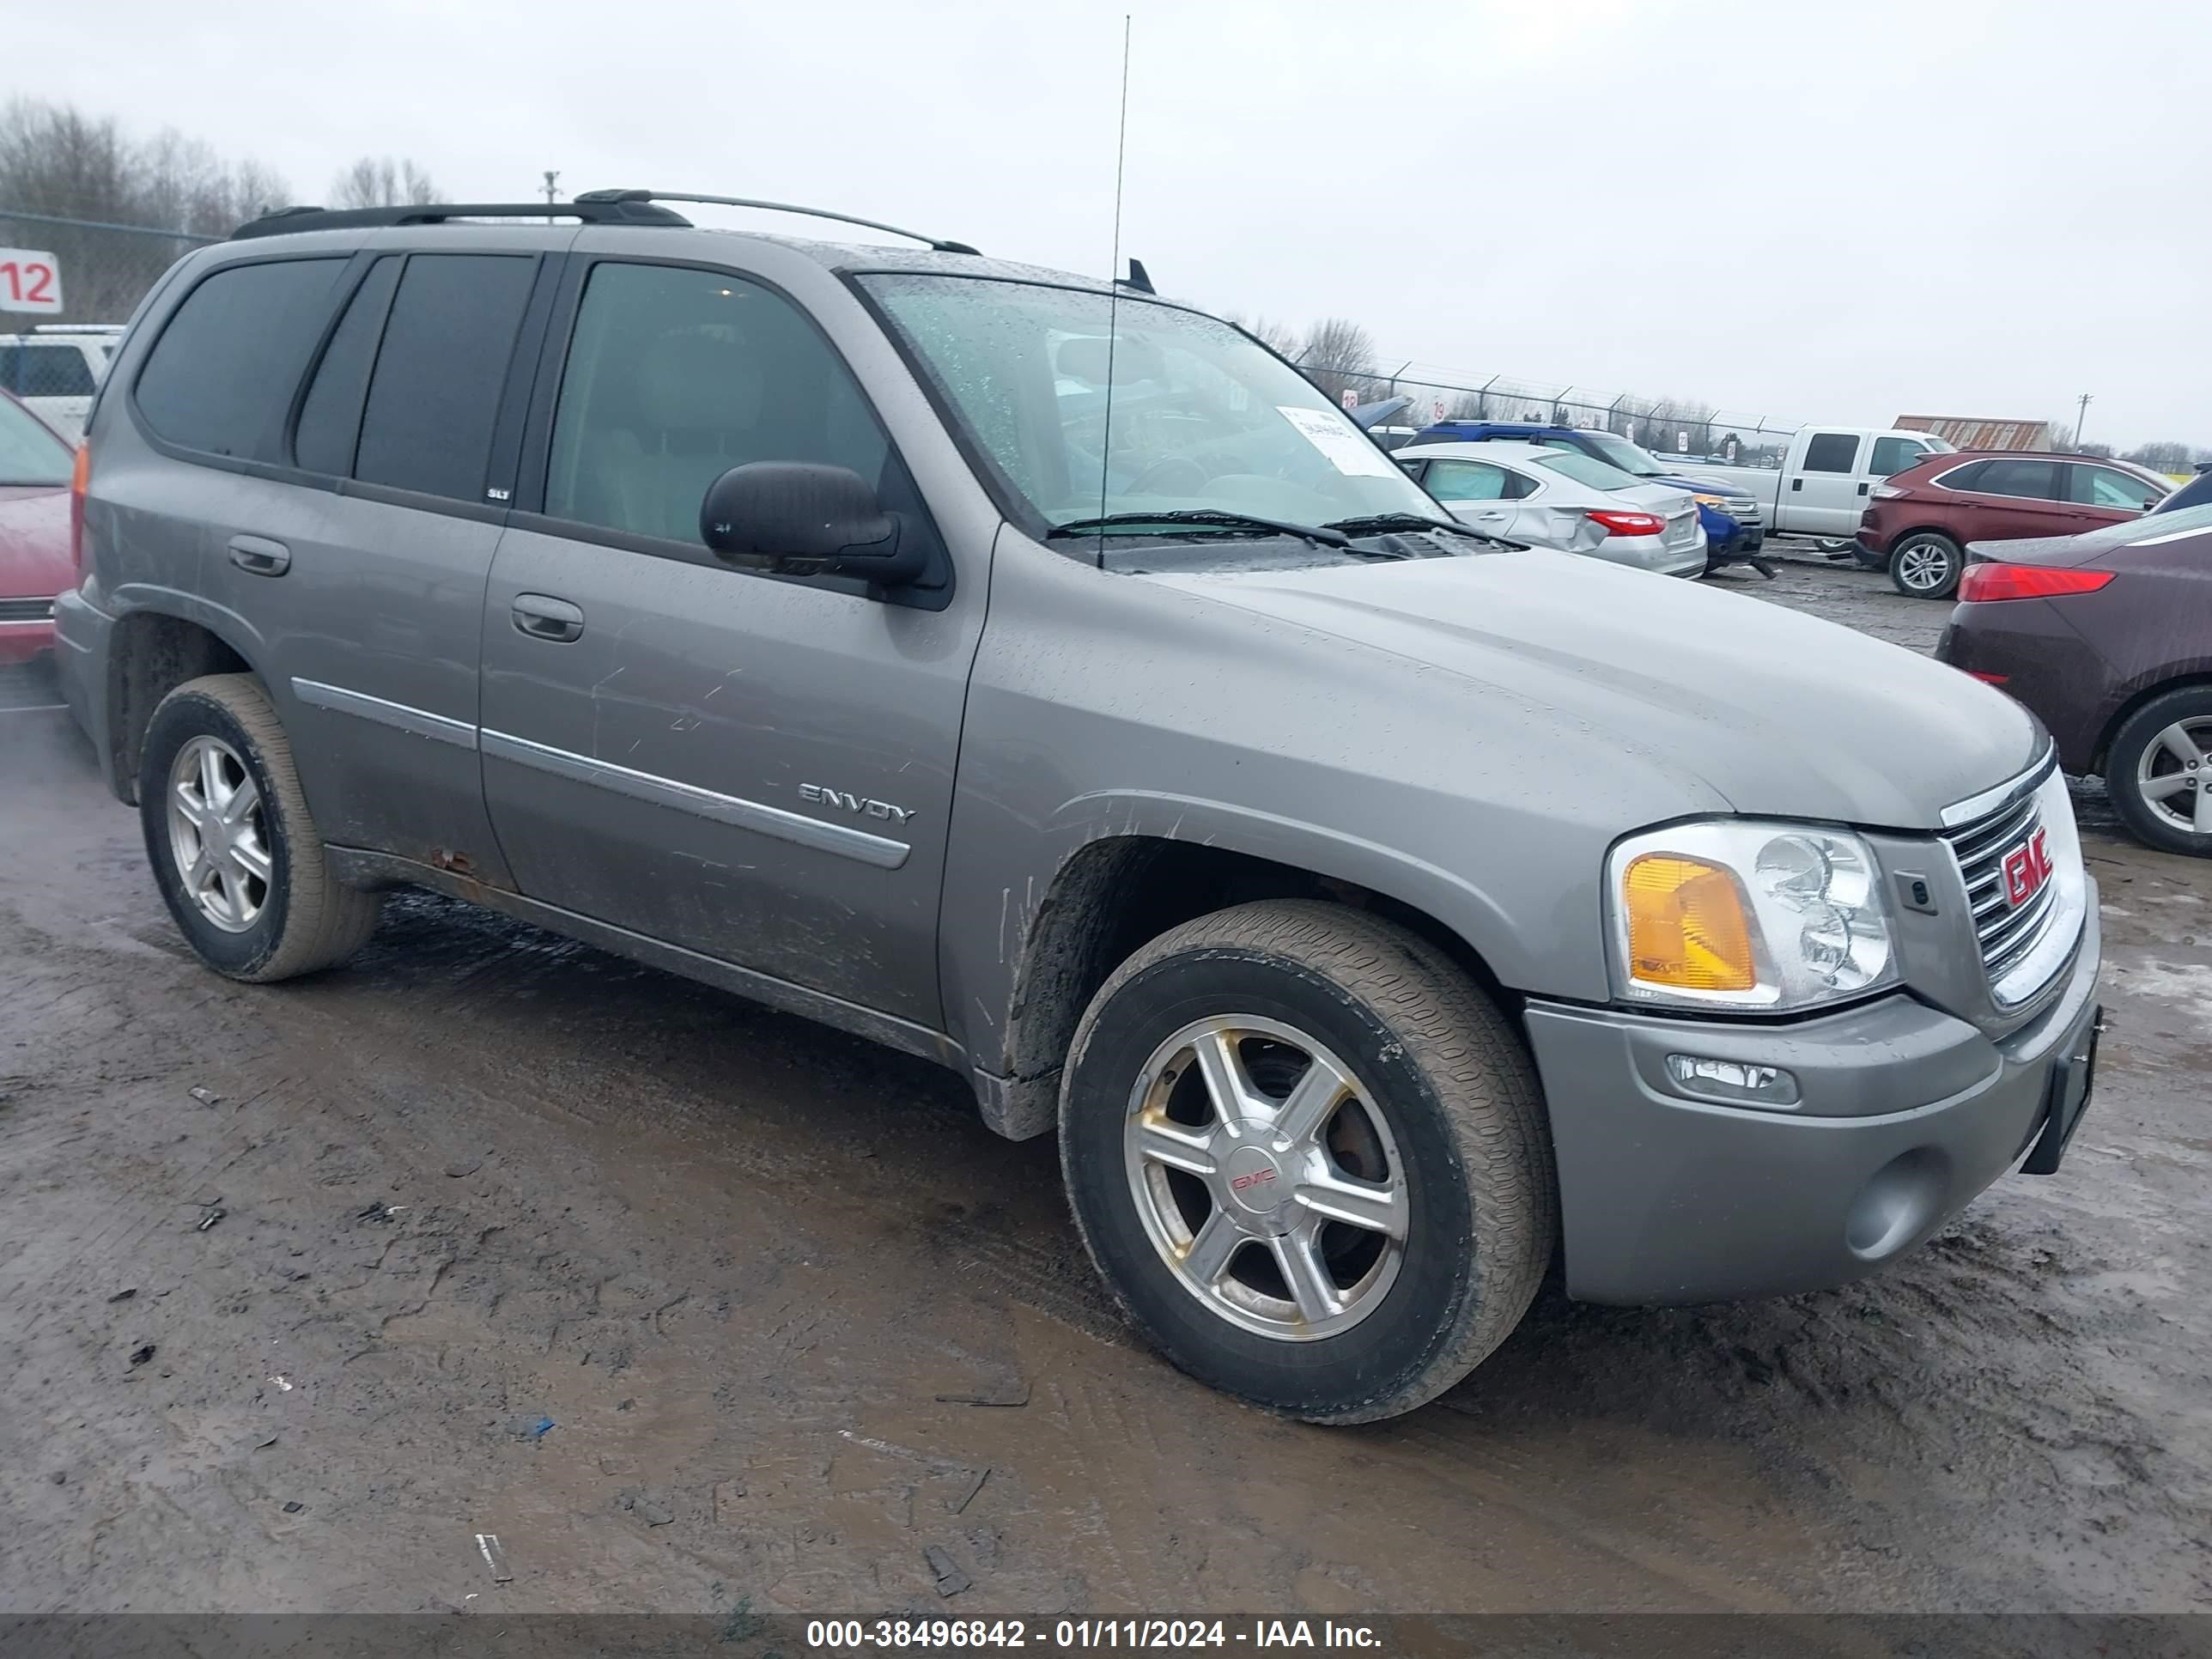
[
  {"x": 1917, "y": 525},
  {"x": 35, "y": 564}
]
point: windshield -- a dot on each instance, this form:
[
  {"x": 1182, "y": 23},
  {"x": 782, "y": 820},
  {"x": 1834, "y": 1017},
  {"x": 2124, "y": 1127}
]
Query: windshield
[
  {"x": 1588, "y": 470},
  {"x": 1203, "y": 420},
  {"x": 30, "y": 453},
  {"x": 1623, "y": 454}
]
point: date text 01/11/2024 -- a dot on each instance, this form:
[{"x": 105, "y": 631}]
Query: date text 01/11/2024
[{"x": 856, "y": 1635}]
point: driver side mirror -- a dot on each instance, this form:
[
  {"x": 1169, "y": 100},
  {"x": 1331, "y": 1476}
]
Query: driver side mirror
[{"x": 799, "y": 519}]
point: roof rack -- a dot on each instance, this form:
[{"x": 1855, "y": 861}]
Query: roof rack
[
  {"x": 599, "y": 208},
  {"x": 642, "y": 196}
]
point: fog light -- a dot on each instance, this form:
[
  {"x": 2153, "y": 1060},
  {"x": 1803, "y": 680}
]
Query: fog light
[{"x": 1733, "y": 1080}]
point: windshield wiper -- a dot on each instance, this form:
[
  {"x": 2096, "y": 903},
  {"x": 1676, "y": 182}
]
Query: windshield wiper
[
  {"x": 1411, "y": 523},
  {"x": 1326, "y": 536}
]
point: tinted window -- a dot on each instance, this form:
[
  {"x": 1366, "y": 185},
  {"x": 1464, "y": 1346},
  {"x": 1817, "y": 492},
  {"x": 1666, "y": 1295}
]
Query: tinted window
[
  {"x": 1470, "y": 481},
  {"x": 329, "y": 419},
  {"x": 1892, "y": 455},
  {"x": 45, "y": 371},
  {"x": 2197, "y": 492},
  {"x": 221, "y": 378},
  {"x": 1831, "y": 452},
  {"x": 440, "y": 372},
  {"x": 29, "y": 451},
  {"x": 1964, "y": 477},
  {"x": 676, "y": 376},
  {"x": 2109, "y": 487},
  {"x": 2029, "y": 480}
]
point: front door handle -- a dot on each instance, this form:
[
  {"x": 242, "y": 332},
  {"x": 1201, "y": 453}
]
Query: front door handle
[
  {"x": 544, "y": 617},
  {"x": 258, "y": 556}
]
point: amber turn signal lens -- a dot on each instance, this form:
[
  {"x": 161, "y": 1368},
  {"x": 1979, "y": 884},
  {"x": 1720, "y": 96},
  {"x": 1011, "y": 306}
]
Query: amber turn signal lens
[{"x": 1687, "y": 925}]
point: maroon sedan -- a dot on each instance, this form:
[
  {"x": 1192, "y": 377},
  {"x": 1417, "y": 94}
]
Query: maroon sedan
[
  {"x": 1917, "y": 525},
  {"x": 2107, "y": 638},
  {"x": 34, "y": 531}
]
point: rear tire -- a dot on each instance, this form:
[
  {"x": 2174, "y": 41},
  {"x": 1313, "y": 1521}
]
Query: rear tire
[
  {"x": 235, "y": 851},
  {"x": 1926, "y": 565},
  {"x": 1377, "y": 1082},
  {"x": 2156, "y": 791}
]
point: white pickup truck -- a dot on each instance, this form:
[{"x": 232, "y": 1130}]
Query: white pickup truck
[{"x": 1824, "y": 480}]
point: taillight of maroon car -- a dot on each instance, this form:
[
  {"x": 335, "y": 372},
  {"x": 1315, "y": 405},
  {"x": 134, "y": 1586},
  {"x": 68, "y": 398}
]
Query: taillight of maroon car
[
  {"x": 80, "y": 483},
  {"x": 1983, "y": 584}
]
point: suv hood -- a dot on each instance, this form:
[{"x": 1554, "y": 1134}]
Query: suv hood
[{"x": 1773, "y": 712}]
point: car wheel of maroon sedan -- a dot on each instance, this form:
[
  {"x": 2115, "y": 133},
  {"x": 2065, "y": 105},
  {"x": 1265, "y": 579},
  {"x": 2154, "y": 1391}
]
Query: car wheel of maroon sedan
[
  {"x": 1926, "y": 566},
  {"x": 2158, "y": 771}
]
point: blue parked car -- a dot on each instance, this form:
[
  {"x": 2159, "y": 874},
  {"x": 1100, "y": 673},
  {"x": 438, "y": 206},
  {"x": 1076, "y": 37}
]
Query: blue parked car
[{"x": 1735, "y": 525}]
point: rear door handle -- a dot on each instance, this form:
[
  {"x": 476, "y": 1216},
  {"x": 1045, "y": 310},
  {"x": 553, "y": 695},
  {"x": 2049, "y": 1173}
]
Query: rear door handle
[
  {"x": 258, "y": 556},
  {"x": 544, "y": 617}
]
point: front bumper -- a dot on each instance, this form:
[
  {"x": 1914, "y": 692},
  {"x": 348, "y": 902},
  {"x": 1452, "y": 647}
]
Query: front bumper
[
  {"x": 1907, "y": 1114},
  {"x": 26, "y": 642}
]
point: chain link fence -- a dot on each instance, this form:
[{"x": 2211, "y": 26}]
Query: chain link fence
[
  {"x": 104, "y": 270},
  {"x": 1663, "y": 425},
  {"x": 98, "y": 271}
]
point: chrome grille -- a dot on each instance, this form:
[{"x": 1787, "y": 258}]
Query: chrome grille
[
  {"x": 26, "y": 611},
  {"x": 2005, "y": 934}
]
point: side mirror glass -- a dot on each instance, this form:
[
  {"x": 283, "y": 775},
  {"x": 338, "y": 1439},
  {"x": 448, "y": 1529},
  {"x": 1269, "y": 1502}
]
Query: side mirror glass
[{"x": 799, "y": 519}]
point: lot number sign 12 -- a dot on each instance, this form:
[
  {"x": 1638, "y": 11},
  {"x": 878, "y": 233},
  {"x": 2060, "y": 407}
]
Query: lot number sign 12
[{"x": 29, "y": 281}]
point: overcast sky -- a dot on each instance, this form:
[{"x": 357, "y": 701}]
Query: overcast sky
[{"x": 1813, "y": 210}]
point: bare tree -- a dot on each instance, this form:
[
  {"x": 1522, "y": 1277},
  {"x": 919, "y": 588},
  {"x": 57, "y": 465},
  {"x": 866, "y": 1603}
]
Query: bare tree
[
  {"x": 57, "y": 160},
  {"x": 2163, "y": 456},
  {"x": 2061, "y": 435},
  {"x": 1278, "y": 337},
  {"x": 376, "y": 181},
  {"x": 1339, "y": 356}
]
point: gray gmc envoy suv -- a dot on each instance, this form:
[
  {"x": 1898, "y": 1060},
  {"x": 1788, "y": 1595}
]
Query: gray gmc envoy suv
[{"x": 1032, "y": 674}]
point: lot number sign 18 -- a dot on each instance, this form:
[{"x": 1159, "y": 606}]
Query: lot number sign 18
[{"x": 29, "y": 281}]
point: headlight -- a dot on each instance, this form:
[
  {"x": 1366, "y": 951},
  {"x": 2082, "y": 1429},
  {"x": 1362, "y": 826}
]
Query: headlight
[{"x": 1733, "y": 913}]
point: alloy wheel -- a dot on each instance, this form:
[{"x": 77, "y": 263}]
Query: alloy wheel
[
  {"x": 1267, "y": 1177},
  {"x": 218, "y": 834},
  {"x": 2173, "y": 775},
  {"x": 1923, "y": 566}
]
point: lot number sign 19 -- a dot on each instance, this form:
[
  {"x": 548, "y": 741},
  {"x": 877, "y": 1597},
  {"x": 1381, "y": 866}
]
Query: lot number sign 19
[{"x": 29, "y": 281}]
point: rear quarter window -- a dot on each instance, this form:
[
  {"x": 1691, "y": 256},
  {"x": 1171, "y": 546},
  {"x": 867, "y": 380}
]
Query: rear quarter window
[{"x": 221, "y": 376}]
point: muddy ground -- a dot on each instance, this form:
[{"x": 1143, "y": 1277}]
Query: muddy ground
[{"x": 290, "y": 1277}]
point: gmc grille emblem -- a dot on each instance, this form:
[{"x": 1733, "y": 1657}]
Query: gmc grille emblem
[{"x": 2026, "y": 867}]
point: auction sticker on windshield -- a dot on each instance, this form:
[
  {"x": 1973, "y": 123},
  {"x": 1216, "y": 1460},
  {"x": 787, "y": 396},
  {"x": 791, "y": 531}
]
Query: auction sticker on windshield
[{"x": 1347, "y": 451}]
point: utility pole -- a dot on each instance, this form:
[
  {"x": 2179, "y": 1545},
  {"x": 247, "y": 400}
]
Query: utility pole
[
  {"x": 552, "y": 176},
  {"x": 2081, "y": 420}
]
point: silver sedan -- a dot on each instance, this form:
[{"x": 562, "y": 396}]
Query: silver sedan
[{"x": 1564, "y": 500}]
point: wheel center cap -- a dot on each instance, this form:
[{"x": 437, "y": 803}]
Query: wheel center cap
[{"x": 1254, "y": 1180}]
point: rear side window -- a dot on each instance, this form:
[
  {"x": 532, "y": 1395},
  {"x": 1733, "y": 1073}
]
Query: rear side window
[
  {"x": 329, "y": 419},
  {"x": 2027, "y": 480},
  {"x": 1964, "y": 477},
  {"x": 1892, "y": 455},
  {"x": 1831, "y": 452},
  {"x": 45, "y": 371},
  {"x": 220, "y": 377},
  {"x": 440, "y": 371},
  {"x": 1471, "y": 480}
]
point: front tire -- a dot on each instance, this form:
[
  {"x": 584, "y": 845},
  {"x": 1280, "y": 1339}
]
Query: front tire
[
  {"x": 1926, "y": 565},
  {"x": 1309, "y": 1156},
  {"x": 2159, "y": 772},
  {"x": 235, "y": 851}
]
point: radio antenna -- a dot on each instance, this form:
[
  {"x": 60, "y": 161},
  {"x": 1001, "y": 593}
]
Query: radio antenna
[{"x": 1114, "y": 287}]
